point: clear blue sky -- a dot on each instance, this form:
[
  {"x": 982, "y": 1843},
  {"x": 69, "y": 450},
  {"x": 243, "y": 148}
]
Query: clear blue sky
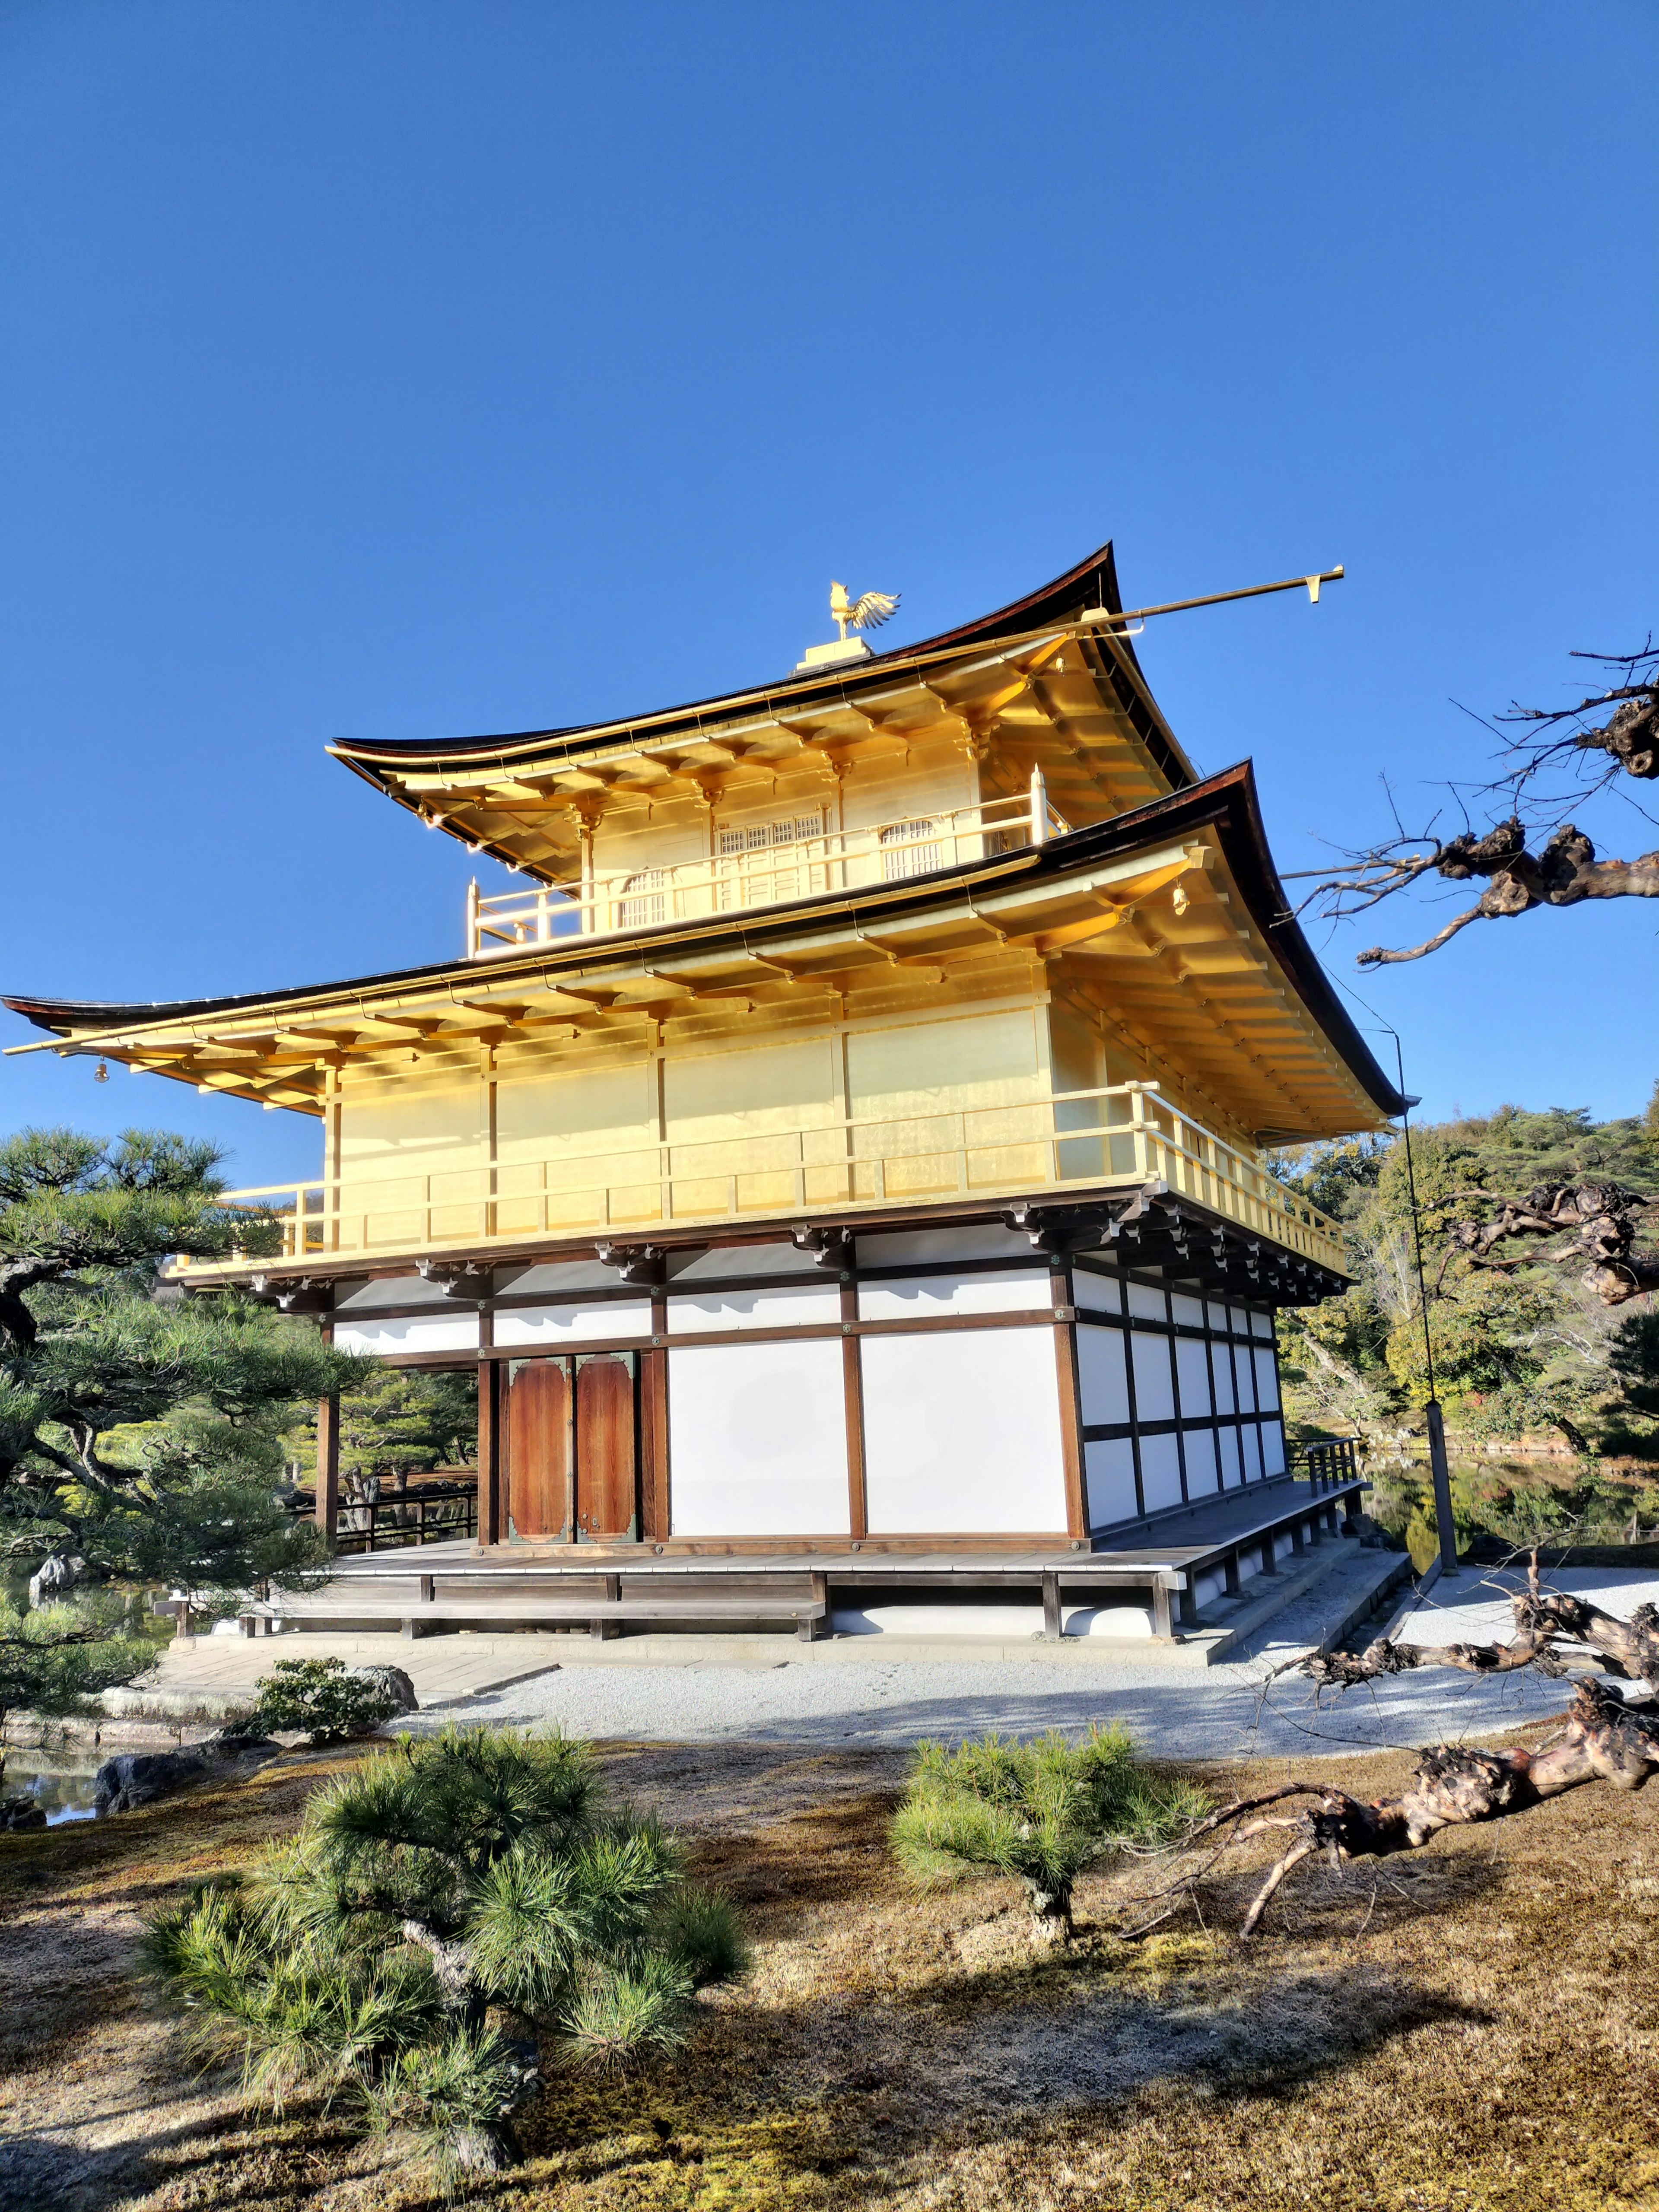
[{"x": 380, "y": 369}]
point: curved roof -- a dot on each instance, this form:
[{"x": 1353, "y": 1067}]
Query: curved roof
[{"x": 1091, "y": 583}]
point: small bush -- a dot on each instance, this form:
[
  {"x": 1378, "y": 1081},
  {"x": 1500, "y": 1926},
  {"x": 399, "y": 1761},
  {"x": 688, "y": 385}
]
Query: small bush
[
  {"x": 1043, "y": 1812},
  {"x": 322, "y": 1699},
  {"x": 445, "y": 1881}
]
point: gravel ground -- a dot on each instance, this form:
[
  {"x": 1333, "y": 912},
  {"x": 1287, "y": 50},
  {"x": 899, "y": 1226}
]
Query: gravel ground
[{"x": 1222, "y": 1713}]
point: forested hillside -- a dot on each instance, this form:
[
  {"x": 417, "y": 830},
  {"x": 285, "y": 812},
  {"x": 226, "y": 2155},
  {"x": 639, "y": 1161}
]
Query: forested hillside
[{"x": 1524, "y": 1350}]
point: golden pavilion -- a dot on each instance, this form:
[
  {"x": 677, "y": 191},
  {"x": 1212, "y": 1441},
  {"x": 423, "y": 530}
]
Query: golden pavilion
[{"x": 846, "y": 1150}]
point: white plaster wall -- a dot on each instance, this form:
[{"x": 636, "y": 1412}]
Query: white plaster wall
[
  {"x": 961, "y": 1433},
  {"x": 916, "y": 1247},
  {"x": 722, "y": 1261},
  {"x": 393, "y": 1290},
  {"x": 1266, "y": 1382},
  {"x": 1273, "y": 1447},
  {"x": 574, "y": 1324},
  {"x": 912, "y": 1297},
  {"x": 422, "y": 1333},
  {"x": 797, "y": 1305},
  {"x": 758, "y": 1440}
]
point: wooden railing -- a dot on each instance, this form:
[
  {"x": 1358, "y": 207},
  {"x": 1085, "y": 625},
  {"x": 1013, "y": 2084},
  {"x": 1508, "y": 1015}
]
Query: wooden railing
[
  {"x": 435, "y": 1513},
  {"x": 1125, "y": 1133},
  {"x": 773, "y": 871},
  {"x": 1325, "y": 1465}
]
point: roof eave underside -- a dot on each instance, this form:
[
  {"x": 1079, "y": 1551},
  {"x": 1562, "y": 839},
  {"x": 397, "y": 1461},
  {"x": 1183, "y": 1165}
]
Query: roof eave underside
[{"x": 1223, "y": 809}]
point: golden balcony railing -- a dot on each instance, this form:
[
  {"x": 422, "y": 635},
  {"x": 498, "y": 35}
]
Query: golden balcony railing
[
  {"x": 1125, "y": 1134},
  {"x": 770, "y": 864}
]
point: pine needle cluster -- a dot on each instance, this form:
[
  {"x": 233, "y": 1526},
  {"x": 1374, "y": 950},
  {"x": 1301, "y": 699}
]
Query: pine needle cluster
[
  {"x": 1042, "y": 1811},
  {"x": 453, "y": 1890}
]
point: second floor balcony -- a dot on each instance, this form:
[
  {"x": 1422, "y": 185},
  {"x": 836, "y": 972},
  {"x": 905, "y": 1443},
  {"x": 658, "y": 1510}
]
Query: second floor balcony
[{"x": 762, "y": 865}]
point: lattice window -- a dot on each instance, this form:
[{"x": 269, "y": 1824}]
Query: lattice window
[
  {"x": 908, "y": 851},
  {"x": 643, "y": 900},
  {"x": 756, "y": 836}
]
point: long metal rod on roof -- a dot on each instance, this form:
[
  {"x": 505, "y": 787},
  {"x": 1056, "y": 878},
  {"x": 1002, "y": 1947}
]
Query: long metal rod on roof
[{"x": 1104, "y": 614}]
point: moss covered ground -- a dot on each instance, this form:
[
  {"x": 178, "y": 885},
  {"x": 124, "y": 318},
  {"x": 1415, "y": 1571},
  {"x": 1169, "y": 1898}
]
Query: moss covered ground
[{"x": 1478, "y": 2027}]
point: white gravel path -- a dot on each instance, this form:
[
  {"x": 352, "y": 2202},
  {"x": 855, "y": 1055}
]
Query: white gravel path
[{"x": 1216, "y": 1714}]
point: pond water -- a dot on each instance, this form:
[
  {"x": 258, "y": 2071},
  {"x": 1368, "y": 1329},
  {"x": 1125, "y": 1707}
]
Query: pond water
[
  {"x": 1520, "y": 1502},
  {"x": 61, "y": 1782}
]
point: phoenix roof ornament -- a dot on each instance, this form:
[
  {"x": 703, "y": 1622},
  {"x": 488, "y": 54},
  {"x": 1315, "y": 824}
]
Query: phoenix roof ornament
[{"x": 868, "y": 611}]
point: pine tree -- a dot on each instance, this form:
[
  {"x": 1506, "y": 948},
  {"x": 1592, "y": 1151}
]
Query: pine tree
[{"x": 450, "y": 1877}]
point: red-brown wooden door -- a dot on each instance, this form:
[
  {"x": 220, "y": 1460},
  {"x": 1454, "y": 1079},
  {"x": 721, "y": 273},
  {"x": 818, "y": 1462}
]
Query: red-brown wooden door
[
  {"x": 538, "y": 1437},
  {"x": 607, "y": 1447}
]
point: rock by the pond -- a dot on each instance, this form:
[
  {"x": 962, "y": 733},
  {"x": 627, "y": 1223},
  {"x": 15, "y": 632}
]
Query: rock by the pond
[
  {"x": 20, "y": 1812},
  {"x": 393, "y": 1683},
  {"x": 54, "y": 1577},
  {"x": 139, "y": 1777}
]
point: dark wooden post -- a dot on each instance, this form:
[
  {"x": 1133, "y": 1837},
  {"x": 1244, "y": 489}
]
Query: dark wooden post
[
  {"x": 1070, "y": 1406},
  {"x": 328, "y": 1465},
  {"x": 852, "y": 1378},
  {"x": 491, "y": 1391}
]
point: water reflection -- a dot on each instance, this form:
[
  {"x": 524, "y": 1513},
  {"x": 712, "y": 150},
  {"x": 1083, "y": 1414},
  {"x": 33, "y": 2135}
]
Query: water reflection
[
  {"x": 61, "y": 1786},
  {"x": 1518, "y": 1502}
]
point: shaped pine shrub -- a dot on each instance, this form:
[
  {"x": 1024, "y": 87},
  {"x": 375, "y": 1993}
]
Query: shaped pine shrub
[
  {"x": 450, "y": 1881},
  {"x": 1043, "y": 1812}
]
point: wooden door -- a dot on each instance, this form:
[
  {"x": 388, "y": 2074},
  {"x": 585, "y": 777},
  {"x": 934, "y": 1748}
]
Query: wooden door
[
  {"x": 537, "y": 1437},
  {"x": 607, "y": 1447}
]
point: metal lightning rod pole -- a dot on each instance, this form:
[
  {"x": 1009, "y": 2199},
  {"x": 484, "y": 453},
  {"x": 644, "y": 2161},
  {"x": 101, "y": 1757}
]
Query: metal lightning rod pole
[{"x": 1441, "y": 1472}]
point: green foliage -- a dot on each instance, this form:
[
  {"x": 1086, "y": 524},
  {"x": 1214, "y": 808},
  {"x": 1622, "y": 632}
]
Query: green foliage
[
  {"x": 1518, "y": 1351},
  {"x": 138, "y": 1427},
  {"x": 400, "y": 1421},
  {"x": 54, "y": 1659},
  {"x": 448, "y": 1876},
  {"x": 1042, "y": 1811},
  {"x": 1631, "y": 1418},
  {"x": 323, "y": 1698}
]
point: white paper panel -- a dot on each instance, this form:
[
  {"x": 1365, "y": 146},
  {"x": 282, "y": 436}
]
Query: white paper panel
[
  {"x": 1221, "y": 1368},
  {"x": 1154, "y": 1391},
  {"x": 1160, "y": 1472},
  {"x": 1267, "y": 1385},
  {"x": 1249, "y": 1437},
  {"x": 1218, "y": 1315},
  {"x": 912, "y": 1297},
  {"x": 1273, "y": 1447},
  {"x": 1148, "y": 1304},
  {"x": 447, "y": 1333},
  {"x": 1261, "y": 1324},
  {"x": 1192, "y": 1369},
  {"x": 794, "y": 1305},
  {"x": 1244, "y": 1377},
  {"x": 574, "y": 1324},
  {"x": 1104, "y": 1391},
  {"x": 758, "y": 1440},
  {"x": 1227, "y": 1441},
  {"x": 1095, "y": 1293},
  {"x": 962, "y": 1432},
  {"x": 1109, "y": 1471},
  {"x": 1199, "y": 1445},
  {"x": 1188, "y": 1310}
]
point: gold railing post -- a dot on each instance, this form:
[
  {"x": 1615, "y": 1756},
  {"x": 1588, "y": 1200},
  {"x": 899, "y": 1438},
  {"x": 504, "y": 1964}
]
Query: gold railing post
[
  {"x": 473, "y": 940},
  {"x": 1039, "y": 808}
]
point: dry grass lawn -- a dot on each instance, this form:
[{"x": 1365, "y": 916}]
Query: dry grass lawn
[{"x": 1478, "y": 2027}]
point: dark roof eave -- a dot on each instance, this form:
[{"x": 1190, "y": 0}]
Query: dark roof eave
[
  {"x": 1227, "y": 802},
  {"x": 1092, "y": 582}
]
